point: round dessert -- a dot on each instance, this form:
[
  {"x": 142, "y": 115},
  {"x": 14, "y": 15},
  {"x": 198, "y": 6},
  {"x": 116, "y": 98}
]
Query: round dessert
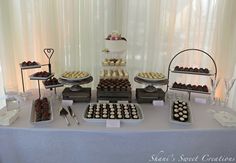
[
  {"x": 176, "y": 68},
  {"x": 115, "y": 43},
  {"x": 135, "y": 117},
  {"x": 176, "y": 115},
  {"x": 176, "y": 110},
  {"x": 112, "y": 116},
  {"x": 119, "y": 116},
  {"x": 185, "y": 116},
  {"x": 185, "y": 112},
  {"x": 180, "y": 113}
]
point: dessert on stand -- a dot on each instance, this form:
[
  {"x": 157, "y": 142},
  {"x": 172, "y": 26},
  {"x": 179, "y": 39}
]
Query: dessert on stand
[
  {"x": 114, "y": 82},
  {"x": 152, "y": 91},
  {"x": 76, "y": 92},
  {"x": 41, "y": 75},
  {"x": 189, "y": 70}
]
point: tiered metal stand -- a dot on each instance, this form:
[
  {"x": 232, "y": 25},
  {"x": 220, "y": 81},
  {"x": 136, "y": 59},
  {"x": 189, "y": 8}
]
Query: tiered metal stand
[
  {"x": 49, "y": 53},
  {"x": 171, "y": 70},
  {"x": 151, "y": 91},
  {"x": 76, "y": 92}
]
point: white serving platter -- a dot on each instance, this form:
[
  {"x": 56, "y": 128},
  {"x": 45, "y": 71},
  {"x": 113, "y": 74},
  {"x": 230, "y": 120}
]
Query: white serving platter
[
  {"x": 103, "y": 120},
  {"x": 33, "y": 115}
]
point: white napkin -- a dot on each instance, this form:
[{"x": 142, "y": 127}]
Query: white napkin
[
  {"x": 8, "y": 117},
  {"x": 225, "y": 119}
]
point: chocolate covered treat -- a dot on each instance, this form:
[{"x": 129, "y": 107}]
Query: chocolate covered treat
[
  {"x": 180, "y": 111},
  {"x": 42, "y": 109},
  {"x": 29, "y": 63},
  {"x": 190, "y": 69},
  {"x": 42, "y": 74},
  {"x": 190, "y": 87},
  {"x": 176, "y": 68},
  {"x": 206, "y": 71},
  {"x": 114, "y": 85},
  {"x": 52, "y": 81}
]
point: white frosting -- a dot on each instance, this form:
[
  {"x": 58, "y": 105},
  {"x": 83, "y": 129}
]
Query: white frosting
[{"x": 116, "y": 45}]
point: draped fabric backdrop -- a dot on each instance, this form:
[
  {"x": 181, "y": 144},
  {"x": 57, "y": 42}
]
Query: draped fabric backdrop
[{"x": 155, "y": 29}]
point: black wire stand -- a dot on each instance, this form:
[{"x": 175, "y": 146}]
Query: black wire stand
[
  {"x": 214, "y": 74},
  {"x": 49, "y": 53}
]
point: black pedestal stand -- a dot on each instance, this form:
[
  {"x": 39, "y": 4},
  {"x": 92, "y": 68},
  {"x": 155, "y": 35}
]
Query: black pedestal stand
[
  {"x": 150, "y": 92},
  {"x": 76, "y": 92}
]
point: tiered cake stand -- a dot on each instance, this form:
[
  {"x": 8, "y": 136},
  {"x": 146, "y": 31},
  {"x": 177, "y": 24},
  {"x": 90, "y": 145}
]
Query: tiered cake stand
[
  {"x": 210, "y": 74},
  {"x": 116, "y": 50},
  {"x": 151, "y": 91},
  {"x": 76, "y": 92},
  {"x": 49, "y": 53}
]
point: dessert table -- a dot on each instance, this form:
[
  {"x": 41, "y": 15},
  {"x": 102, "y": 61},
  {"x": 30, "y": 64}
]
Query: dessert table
[{"x": 154, "y": 139}]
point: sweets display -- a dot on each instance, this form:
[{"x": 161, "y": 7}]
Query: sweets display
[
  {"x": 114, "y": 85},
  {"x": 114, "y": 42},
  {"x": 151, "y": 75},
  {"x": 114, "y": 90},
  {"x": 114, "y": 74},
  {"x": 180, "y": 111},
  {"x": 74, "y": 75},
  {"x": 113, "y": 111},
  {"x": 191, "y": 69},
  {"x": 114, "y": 62},
  {"x": 203, "y": 88},
  {"x": 42, "y": 110}
]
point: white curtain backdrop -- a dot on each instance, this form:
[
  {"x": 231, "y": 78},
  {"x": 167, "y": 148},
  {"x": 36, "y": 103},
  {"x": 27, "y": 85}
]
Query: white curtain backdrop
[{"x": 155, "y": 29}]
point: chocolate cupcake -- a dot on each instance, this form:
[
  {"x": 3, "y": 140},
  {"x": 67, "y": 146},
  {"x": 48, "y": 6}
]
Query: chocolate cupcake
[{"x": 176, "y": 68}]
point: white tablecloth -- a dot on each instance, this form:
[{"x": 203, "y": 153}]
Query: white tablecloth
[{"x": 155, "y": 137}]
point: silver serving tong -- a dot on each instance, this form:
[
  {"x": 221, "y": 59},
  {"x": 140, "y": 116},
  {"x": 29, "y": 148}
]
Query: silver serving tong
[
  {"x": 73, "y": 115},
  {"x": 64, "y": 113}
]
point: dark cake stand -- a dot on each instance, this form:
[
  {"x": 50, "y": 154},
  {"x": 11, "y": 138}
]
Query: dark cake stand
[
  {"x": 76, "y": 92},
  {"x": 151, "y": 91}
]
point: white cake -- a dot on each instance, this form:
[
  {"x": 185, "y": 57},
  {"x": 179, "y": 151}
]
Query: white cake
[{"x": 116, "y": 45}]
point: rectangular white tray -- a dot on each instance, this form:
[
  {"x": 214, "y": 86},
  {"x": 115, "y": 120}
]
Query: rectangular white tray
[
  {"x": 33, "y": 116},
  {"x": 139, "y": 110},
  {"x": 172, "y": 120}
]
